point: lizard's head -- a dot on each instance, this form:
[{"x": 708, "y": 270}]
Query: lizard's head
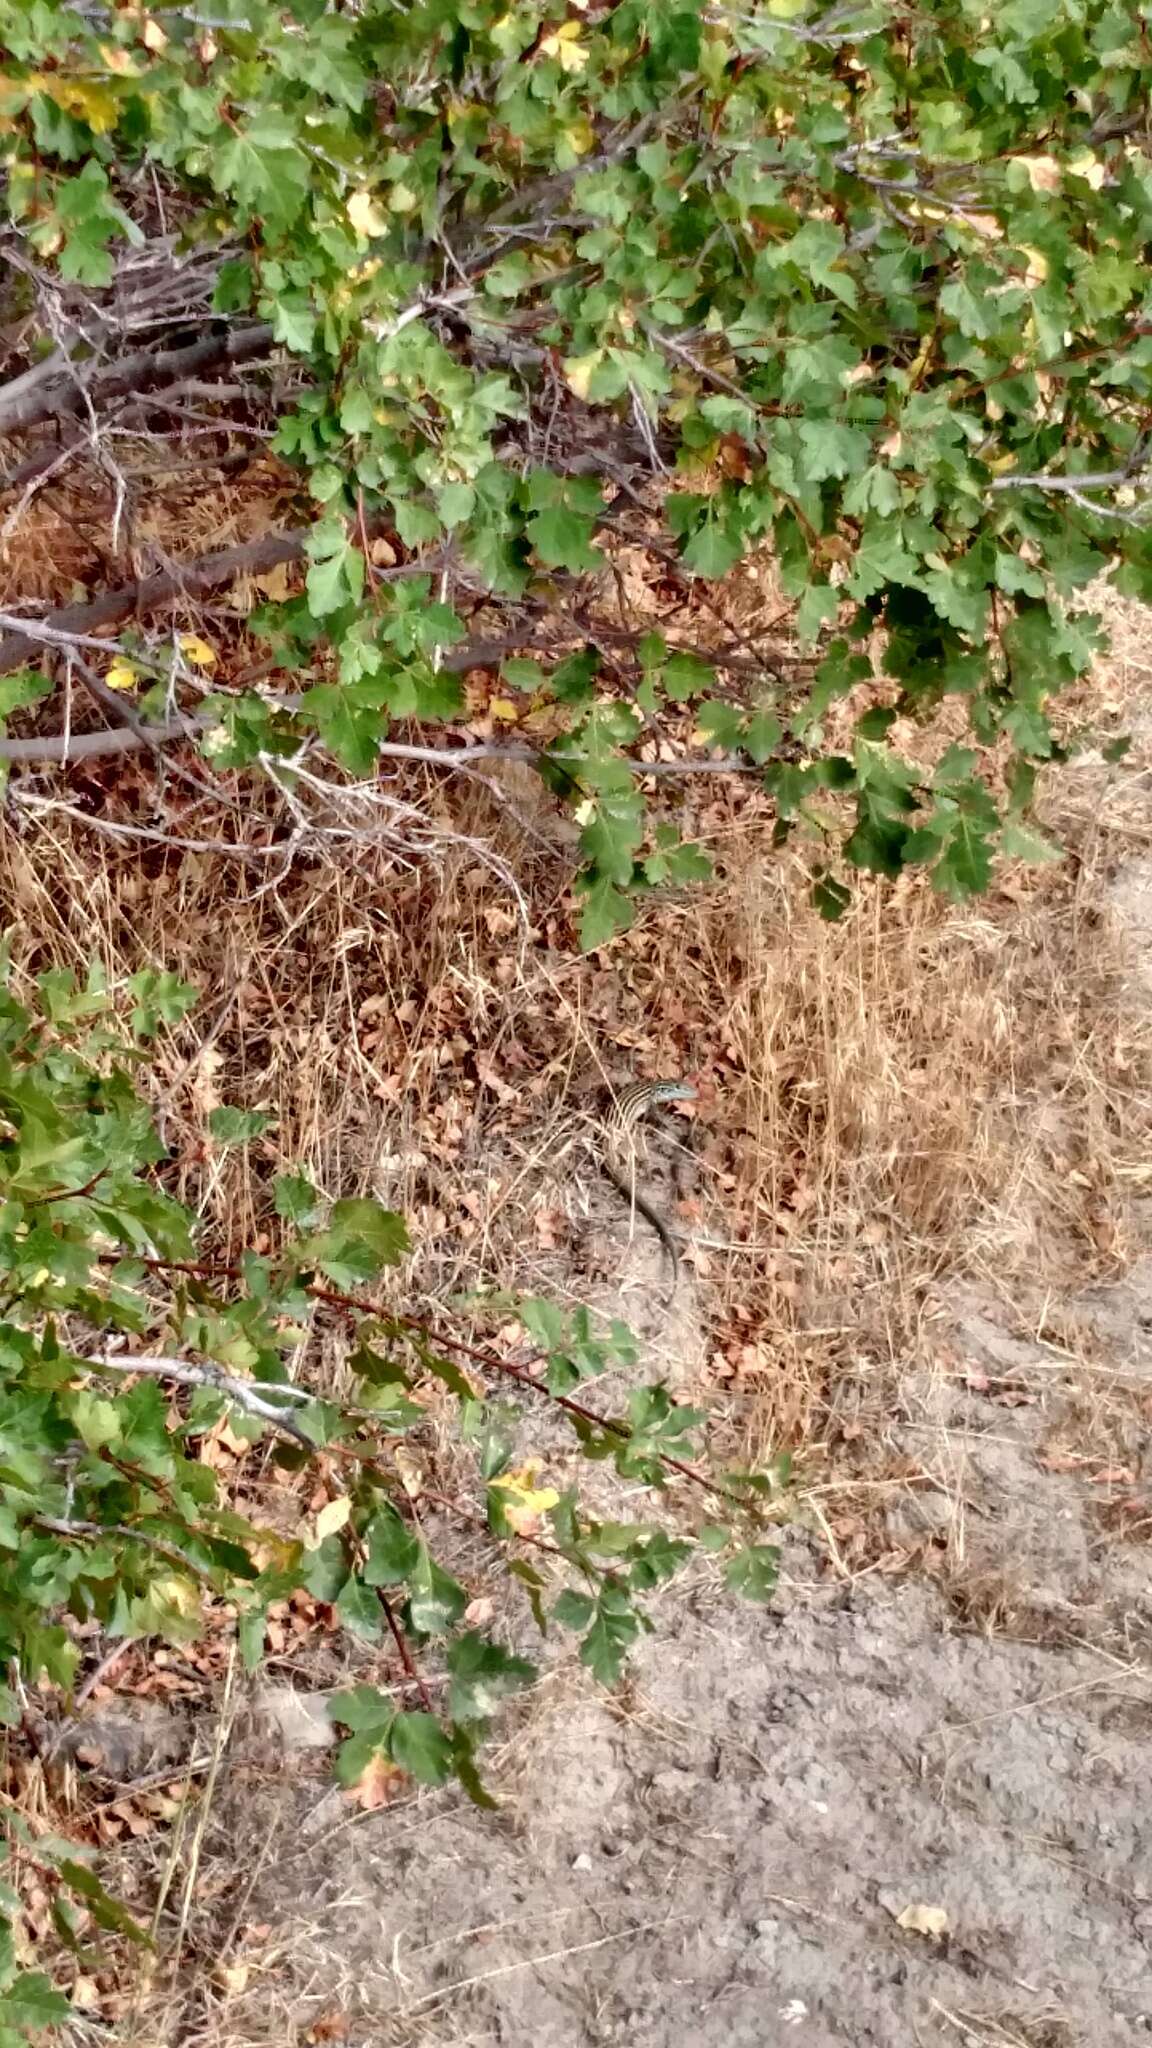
[{"x": 673, "y": 1091}]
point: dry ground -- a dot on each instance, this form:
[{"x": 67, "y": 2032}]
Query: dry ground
[{"x": 918, "y": 1254}]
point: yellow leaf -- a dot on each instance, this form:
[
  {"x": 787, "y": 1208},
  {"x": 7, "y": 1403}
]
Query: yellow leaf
[
  {"x": 401, "y": 199},
  {"x": 331, "y": 1517},
  {"x": 276, "y": 584},
  {"x": 1044, "y": 173},
  {"x": 410, "y": 1474},
  {"x": 196, "y": 650},
  {"x": 93, "y": 103},
  {"x": 929, "y": 1920},
  {"x": 1088, "y": 167},
  {"x": 376, "y": 1784},
  {"x": 232, "y": 1977},
  {"x": 153, "y": 37},
  {"x": 1037, "y": 269},
  {"x": 365, "y": 214},
  {"x": 580, "y": 136},
  {"x": 179, "y": 1595},
  {"x": 579, "y": 371},
  {"x": 503, "y": 707},
  {"x": 564, "y": 44},
  {"x": 121, "y": 62},
  {"x": 121, "y": 676},
  {"x": 16, "y": 92},
  {"x": 522, "y": 1500}
]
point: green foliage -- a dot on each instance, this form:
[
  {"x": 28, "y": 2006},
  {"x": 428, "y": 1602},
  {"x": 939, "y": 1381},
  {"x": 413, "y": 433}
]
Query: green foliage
[
  {"x": 874, "y": 294},
  {"x": 120, "y": 1350}
]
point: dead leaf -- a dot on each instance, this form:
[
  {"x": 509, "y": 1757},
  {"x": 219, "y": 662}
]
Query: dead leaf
[
  {"x": 522, "y": 1502},
  {"x": 329, "y": 2026},
  {"x": 931, "y": 1921},
  {"x": 409, "y": 1471},
  {"x": 232, "y": 1977},
  {"x": 276, "y": 584},
  {"x": 376, "y": 1784},
  {"x": 331, "y": 1518}
]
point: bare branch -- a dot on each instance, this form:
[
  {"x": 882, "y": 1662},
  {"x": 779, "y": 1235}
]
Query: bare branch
[
  {"x": 71, "y": 622},
  {"x": 1074, "y": 486},
  {"x": 56, "y": 1527},
  {"x": 61, "y": 389},
  {"x": 63, "y": 748},
  {"x": 247, "y": 1394}
]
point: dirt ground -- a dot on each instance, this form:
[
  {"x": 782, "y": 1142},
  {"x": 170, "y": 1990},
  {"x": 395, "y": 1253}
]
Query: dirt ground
[{"x": 877, "y": 1814}]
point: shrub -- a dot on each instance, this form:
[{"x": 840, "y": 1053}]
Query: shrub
[
  {"x": 866, "y": 287},
  {"x": 121, "y": 1348}
]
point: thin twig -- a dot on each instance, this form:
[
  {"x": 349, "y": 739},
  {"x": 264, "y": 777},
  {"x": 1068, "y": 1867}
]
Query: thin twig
[
  {"x": 55, "y": 1525},
  {"x": 405, "y": 1653},
  {"x": 244, "y": 1392}
]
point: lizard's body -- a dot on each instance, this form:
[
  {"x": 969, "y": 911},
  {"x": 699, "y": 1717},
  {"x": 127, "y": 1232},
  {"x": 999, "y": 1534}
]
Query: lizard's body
[{"x": 616, "y": 1151}]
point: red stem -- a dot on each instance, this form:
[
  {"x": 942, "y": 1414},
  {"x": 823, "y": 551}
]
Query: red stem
[{"x": 406, "y": 1657}]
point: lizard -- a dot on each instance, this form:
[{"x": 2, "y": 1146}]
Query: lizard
[{"x": 616, "y": 1155}]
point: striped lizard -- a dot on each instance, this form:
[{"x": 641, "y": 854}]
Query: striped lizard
[{"x": 616, "y": 1153}]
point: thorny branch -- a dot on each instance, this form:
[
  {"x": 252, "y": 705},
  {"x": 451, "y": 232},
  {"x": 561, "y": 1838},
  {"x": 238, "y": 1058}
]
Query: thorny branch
[{"x": 398, "y": 1324}]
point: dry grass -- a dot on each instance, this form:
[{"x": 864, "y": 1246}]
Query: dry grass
[{"x": 917, "y": 1092}]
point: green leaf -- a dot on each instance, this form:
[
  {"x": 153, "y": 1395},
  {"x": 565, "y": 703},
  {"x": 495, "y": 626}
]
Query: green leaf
[
  {"x": 363, "y": 1709},
  {"x": 762, "y": 734},
  {"x": 359, "y": 1609},
  {"x": 297, "y": 1201},
  {"x": 23, "y": 686},
  {"x": 562, "y": 538},
  {"x": 30, "y": 2001},
  {"x": 832, "y": 449},
  {"x": 1024, "y": 842},
  {"x": 105, "y": 1910},
  {"x": 161, "y": 998},
  {"x": 712, "y": 550},
  {"x": 236, "y": 1126},
  {"x": 362, "y": 1237},
  {"x": 685, "y": 676},
  {"x": 482, "y": 1675},
  {"x": 522, "y": 675},
  {"x": 354, "y": 1756},
  {"x": 464, "y": 1764},
  {"x": 754, "y": 1571},
  {"x": 818, "y": 607},
  {"x": 436, "y": 1601},
  {"x": 611, "y": 836},
  {"x": 294, "y": 322},
  {"x": 573, "y": 1610},
  {"x": 606, "y": 912},
  {"x": 831, "y": 898},
  {"x": 615, "y": 1626},
  {"x": 420, "y": 1746},
  {"x": 723, "y": 725},
  {"x": 393, "y": 1551}
]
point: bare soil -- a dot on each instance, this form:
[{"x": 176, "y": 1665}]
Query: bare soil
[{"x": 726, "y": 1854}]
